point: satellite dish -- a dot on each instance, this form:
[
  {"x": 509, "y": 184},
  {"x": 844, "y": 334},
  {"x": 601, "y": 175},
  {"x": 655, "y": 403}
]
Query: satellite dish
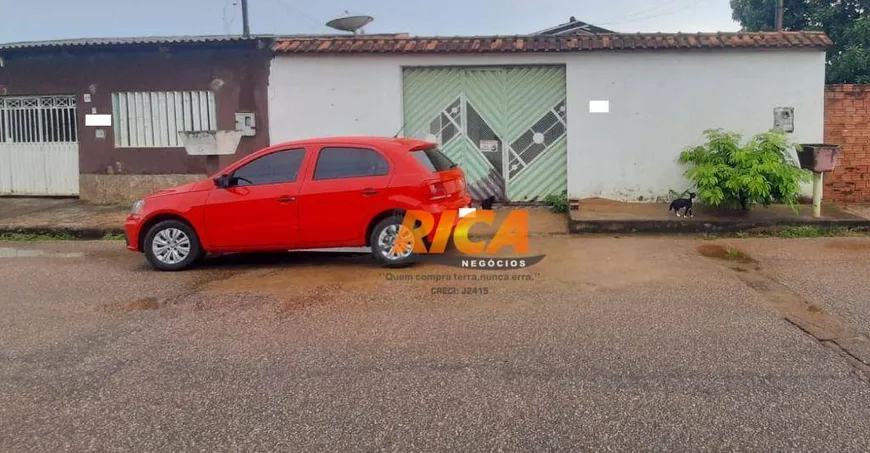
[{"x": 352, "y": 24}]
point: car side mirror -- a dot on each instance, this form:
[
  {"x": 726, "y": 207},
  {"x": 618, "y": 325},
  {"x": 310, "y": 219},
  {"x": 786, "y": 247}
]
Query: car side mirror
[{"x": 222, "y": 181}]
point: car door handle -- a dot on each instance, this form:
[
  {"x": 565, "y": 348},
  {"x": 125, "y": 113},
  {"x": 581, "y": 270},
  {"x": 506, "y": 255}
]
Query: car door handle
[
  {"x": 368, "y": 192},
  {"x": 286, "y": 199}
]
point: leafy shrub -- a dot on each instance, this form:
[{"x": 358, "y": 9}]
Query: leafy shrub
[
  {"x": 558, "y": 202},
  {"x": 733, "y": 176}
]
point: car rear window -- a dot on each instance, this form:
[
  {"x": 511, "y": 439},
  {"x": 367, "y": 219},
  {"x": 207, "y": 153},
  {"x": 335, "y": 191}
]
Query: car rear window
[{"x": 433, "y": 159}]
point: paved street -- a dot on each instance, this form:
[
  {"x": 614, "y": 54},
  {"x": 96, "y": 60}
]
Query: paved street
[{"x": 610, "y": 344}]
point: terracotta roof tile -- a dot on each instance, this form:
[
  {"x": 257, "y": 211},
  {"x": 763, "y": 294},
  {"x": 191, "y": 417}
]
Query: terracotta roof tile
[{"x": 498, "y": 44}]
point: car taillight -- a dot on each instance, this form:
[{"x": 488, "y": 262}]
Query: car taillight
[{"x": 438, "y": 191}]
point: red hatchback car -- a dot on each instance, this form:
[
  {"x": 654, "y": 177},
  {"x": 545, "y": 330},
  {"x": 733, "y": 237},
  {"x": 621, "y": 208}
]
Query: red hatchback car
[{"x": 320, "y": 193}]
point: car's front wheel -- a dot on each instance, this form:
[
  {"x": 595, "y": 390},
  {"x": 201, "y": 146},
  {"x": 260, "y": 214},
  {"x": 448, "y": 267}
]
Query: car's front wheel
[
  {"x": 172, "y": 245},
  {"x": 392, "y": 243}
]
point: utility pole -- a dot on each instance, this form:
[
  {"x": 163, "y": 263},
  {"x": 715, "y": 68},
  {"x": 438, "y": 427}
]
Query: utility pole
[
  {"x": 246, "y": 29},
  {"x": 779, "y": 9}
]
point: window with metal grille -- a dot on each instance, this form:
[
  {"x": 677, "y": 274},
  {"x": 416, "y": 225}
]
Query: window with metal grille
[
  {"x": 154, "y": 119},
  {"x": 37, "y": 119}
]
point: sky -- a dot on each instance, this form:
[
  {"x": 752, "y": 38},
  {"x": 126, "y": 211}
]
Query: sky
[{"x": 30, "y": 20}]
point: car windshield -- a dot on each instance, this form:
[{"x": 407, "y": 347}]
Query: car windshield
[{"x": 433, "y": 159}]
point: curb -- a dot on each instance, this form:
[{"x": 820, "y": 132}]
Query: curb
[
  {"x": 82, "y": 233},
  {"x": 701, "y": 226}
]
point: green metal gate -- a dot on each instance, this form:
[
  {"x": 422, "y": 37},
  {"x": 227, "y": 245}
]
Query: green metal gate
[{"x": 505, "y": 126}]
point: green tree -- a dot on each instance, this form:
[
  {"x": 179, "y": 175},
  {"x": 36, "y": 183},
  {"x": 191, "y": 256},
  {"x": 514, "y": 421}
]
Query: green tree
[{"x": 846, "y": 22}]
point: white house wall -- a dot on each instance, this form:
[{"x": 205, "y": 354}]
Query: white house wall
[{"x": 660, "y": 102}]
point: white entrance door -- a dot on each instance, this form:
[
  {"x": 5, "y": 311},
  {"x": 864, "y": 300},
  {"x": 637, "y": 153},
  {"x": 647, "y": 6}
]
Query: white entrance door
[{"x": 39, "y": 150}]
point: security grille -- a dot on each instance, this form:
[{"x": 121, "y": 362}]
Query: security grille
[
  {"x": 506, "y": 127},
  {"x": 154, "y": 119},
  {"x": 448, "y": 123},
  {"x": 38, "y": 119},
  {"x": 537, "y": 139}
]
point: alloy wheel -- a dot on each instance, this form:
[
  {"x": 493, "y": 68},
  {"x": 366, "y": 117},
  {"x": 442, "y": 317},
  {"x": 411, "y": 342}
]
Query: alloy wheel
[{"x": 171, "y": 246}]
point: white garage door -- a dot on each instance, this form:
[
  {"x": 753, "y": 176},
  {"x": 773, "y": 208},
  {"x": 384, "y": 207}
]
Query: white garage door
[{"x": 39, "y": 150}]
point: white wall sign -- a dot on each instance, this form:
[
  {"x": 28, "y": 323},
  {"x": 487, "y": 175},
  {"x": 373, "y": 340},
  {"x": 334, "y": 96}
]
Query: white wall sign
[
  {"x": 98, "y": 120},
  {"x": 489, "y": 146},
  {"x": 599, "y": 106}
]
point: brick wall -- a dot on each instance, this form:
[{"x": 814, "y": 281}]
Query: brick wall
[{"x": 847, "y": 123}]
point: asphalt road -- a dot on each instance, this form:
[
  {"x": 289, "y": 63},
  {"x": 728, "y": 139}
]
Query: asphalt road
[{"x": 633, "y": 344}]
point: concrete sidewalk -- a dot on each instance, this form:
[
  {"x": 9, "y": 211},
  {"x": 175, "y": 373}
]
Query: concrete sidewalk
[
  {"x": 599, "y": 215},
  {"x": 66, "y": 216}
]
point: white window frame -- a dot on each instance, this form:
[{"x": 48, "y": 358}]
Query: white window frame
[{"x": 154, "y": 119}]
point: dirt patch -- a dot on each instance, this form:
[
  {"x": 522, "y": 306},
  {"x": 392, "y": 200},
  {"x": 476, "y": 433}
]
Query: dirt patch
[
  {"x": 230, "y": 301},
  {"x": 849, "y": 245},
  {"x": 320, "y": 295},
  {"x": 352, "y": 272},
  {"x": 724, "y": 253},
  {"x": 144, "y": 304}
]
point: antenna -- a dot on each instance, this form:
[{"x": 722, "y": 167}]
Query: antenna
[
  {"x": 400, "y": 130},
  {"x": 353, "y": 24}
]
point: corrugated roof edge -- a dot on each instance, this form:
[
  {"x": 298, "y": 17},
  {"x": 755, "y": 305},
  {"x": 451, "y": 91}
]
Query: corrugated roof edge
[{"x": 84, "y": 42}]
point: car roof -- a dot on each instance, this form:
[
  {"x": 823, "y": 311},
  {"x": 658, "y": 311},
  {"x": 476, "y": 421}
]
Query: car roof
[{"x": 361, "y": 140}]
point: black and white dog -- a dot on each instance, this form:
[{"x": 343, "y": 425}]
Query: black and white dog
[{"x": 683, "y": 203}]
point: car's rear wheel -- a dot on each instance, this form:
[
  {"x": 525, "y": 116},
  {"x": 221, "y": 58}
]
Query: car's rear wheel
[
  {"x": 392, "y": 243},
  {"x": 172, "y": 245}
]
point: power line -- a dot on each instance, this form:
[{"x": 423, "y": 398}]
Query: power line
[
  {"x": 227, "y": 25},
  {"x": 293, "y": 9},
  {"x": 650, "y": 9},
  {"x": 629, "y": 19}
]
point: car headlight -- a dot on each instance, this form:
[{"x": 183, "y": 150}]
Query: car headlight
[{"x": 137, "y": 207}]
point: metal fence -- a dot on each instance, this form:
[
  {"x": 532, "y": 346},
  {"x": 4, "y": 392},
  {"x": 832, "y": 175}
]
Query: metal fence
[{"x": 38, "y": 119}]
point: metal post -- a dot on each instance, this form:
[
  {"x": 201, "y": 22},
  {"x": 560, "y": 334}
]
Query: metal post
[
  {"x": 779, "y": 9},
  {"x": 246, "y": 29},
  {"x": 818, "y": 183}
]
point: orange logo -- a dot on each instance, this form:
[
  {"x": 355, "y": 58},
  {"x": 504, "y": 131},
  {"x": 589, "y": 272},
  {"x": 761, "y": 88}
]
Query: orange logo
[{"x": 513, "y": 232}]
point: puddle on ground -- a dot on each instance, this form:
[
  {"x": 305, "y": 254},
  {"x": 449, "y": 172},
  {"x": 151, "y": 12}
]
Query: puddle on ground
[
  {"x": 725, "y": 253},
  {"x": 9, "y": 252}
]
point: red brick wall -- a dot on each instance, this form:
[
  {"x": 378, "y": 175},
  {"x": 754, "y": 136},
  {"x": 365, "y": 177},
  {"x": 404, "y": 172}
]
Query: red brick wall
[{"x": 847, "y": 123}]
